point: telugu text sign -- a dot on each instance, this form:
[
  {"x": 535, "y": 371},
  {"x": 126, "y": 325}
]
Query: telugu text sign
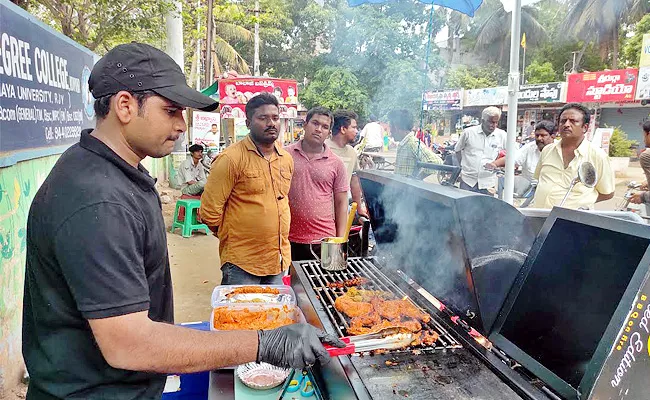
[
  {"x": 44, "y": 96},
  {"x": 496, "y": 96},
  {"x": 206, "y": 128},
  {"x": 602, "y": 87},
  {"x": 542, "y": 93},
  {"x": 443, "y": 100}
]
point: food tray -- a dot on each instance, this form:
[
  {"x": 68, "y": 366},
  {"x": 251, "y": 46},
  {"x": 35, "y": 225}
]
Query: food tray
[
  {"x": 285, "y": 296},
  {"x": 285, "y": 311}
]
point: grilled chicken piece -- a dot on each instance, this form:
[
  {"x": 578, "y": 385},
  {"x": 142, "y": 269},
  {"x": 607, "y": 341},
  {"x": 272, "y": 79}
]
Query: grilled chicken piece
[
  {"x": 351, "y": 308},
  {"x": 394, "y": 309}
]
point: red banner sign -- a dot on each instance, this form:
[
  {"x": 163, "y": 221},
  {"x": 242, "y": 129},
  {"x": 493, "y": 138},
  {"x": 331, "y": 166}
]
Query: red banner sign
[
  {"x": 235, "y": 93},
  {"x": 602, "y": 87}
]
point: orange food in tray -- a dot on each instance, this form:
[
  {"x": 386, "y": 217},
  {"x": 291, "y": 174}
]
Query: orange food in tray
[
  {"x": 229, "y": 318},
  {"x": 253, "y": 289}
]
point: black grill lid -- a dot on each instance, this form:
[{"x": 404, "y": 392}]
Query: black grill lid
[{"x": 464, "y": 248}]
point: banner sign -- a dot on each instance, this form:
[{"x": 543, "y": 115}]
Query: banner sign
[
  {"x": 486, "y": 97},
  {"x": 443, "y": 100},
  {"x": 602, "y": 87},
  {"x": 643, "y": 85},
  {"x": 44, "y": 97},
  {"x": 235, "y": 93},
  {"x": 542, "y": 93},
  {"x": 644, "y": 60},
  {"x": 206, "y": 128}
]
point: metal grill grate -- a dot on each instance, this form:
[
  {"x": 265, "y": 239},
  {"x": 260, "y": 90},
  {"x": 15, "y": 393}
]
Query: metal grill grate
[{"x": 361, "y": 267}]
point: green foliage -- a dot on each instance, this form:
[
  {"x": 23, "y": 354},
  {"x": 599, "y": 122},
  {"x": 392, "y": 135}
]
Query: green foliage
[
  {"x": 620, "y": 145},
  {"x": 540, "y": 73},
  {"x": 560, "y": 55},
  {"x": 475, "y": 77},
  {"x": 336, "y": 88},
  {"x": 100, "y": 25},
  {"x": 632, "y": 48}
]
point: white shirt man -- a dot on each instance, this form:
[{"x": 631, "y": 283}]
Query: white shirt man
[
  {"x": 478, "y": 146},
  {"x": 373, "y": 132},
  {"x": 527, "y": 158}
]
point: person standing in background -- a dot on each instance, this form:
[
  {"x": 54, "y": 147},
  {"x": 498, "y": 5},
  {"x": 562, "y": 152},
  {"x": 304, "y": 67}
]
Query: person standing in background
[
  {"x": 245, "y": 201},
  {"x": 477, "y": 147},
  {"x": 644, "y": 160},
  {"x": 344, "y": 132},
  {"x": 373, "y": 133},
  {"x": 559, "y": 162},
  {"x": 319, "y": 187}
]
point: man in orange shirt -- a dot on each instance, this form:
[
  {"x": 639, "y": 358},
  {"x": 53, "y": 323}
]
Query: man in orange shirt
[{"x": 245, "y": 200}]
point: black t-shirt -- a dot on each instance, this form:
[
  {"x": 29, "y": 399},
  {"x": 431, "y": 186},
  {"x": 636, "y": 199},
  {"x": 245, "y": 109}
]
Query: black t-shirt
[{"x": 96, "y": 248}]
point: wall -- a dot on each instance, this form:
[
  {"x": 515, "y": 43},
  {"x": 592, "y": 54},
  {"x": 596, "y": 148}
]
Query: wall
[
  {"x": 629, "y": 119},
  {"x": 18, "y": 185}
]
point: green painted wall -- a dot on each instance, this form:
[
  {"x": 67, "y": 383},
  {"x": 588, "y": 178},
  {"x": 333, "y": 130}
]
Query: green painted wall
[{"x": 18, "y": 185}]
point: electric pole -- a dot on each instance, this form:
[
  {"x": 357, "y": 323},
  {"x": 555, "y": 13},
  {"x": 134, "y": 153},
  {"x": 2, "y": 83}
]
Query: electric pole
[
  {"x": 256, "y": 57},
  {"x": 208, "y": 47}
]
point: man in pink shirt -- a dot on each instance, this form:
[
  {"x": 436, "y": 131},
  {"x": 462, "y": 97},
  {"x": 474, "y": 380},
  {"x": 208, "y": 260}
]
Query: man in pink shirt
[{"x": 318, "y": 197}]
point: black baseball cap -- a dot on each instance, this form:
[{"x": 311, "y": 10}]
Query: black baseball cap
[{"x": 137, "y": 67}]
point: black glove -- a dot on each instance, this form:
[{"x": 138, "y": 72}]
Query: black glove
[{"x": 295, "y": 346}]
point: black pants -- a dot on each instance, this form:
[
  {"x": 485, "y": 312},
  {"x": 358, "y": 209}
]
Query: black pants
[
  {"x": 234, "y": 275},
  {"x": 301, "y": 252},
  {"x": 474, "y": 188}
]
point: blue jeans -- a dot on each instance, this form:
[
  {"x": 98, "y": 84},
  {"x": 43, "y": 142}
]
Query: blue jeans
[{"x": 233, "y": 275}]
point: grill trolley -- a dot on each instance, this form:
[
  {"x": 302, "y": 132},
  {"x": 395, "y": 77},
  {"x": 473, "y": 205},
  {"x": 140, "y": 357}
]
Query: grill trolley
[{"x": 559, "y": 315}]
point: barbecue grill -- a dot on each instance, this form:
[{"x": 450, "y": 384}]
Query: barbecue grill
[{"x": 466, "y": 267}]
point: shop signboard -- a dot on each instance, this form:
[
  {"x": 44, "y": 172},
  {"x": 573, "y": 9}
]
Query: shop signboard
[
  {"x": 235, "y": 93},
  {"x": 644, "y": 59},
  {"x": 44, "y": 98},
  {"x": 496, "y": 96},
  {"x": 643, "y": 85},
  {"x": 443, "y": 100},
  {"x": 206, "y": 128},
  {"x": 602, "y": 87},
  {"x": 541, "y": 93}
]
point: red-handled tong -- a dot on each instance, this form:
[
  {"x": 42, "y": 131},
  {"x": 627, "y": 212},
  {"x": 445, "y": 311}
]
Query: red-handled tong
[{"x": 386, "y": 339}]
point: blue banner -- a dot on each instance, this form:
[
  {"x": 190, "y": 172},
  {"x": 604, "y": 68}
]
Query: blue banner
[{"x": 44, "y": 96}]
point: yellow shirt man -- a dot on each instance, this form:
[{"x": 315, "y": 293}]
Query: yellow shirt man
[{"x": 554, "y": 179}]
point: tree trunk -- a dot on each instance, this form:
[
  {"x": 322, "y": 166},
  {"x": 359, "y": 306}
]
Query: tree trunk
[
  {"x": 615, "y": 47},
  {"x": 580, "y": 55}
]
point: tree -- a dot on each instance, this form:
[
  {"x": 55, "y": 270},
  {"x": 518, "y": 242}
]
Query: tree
[
  {"x": 100, "y": 25},
  {"x": 369, "y": 39},
  {"x": 401, "y": 89},
  {"x": 540, "y": 73},
  {"x": 493, "y": 36},
  {"x": 560, "y": 55},
  {"x": 475, "y": 77},
  {"x": 601, "y": 21},
  {"x": 292, "y": 34},
  {"x": 632, "y": 48},
  {"x": 336, "y": 88}
]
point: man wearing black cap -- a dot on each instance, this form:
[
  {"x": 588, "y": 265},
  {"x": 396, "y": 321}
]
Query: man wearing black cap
[{"x": 98, "y": 295}]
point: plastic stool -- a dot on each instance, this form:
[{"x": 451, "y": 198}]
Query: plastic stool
[
  {"x": 189, "y": 223},
  {"x": 181, "y": 212}
]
